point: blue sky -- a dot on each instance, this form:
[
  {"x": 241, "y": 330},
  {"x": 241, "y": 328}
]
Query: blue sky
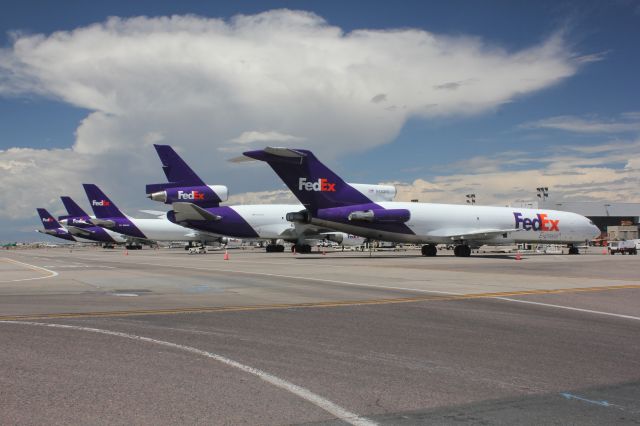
[{"x": 593, "y": 104}]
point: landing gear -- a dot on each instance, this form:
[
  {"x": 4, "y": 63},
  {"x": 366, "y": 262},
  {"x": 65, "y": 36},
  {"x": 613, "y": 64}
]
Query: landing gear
[
  {"x": 133, "y": 247},
  {"x": 573, "y": 250},
  {"x": 274, "y": 248},
  {"x": 301, "y": 248},
  {"x": 429, "y": 250},
  {"x": 462, "y": 251}
]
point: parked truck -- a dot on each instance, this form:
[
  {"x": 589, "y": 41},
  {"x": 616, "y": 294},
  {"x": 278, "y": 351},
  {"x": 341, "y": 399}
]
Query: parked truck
[{"x": 624, "y": 247}]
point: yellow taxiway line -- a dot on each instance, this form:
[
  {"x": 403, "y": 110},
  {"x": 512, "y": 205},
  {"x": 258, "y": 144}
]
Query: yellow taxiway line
[{"x": 328, "y": 304}]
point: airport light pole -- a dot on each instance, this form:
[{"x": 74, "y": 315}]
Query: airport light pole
[
  {"x": 471, "y": 198},
  {"x": 543, "y": 194}
]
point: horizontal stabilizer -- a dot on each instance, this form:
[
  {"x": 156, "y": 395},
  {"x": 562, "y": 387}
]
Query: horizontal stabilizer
[
  {"x": 185, "y": 212},
  {"x": 80, "y": 231},
  {"x": 157, "y": 213},
  {"x": 105, "y": 223}
]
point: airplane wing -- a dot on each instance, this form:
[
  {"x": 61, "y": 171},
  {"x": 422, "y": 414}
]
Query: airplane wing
[
  {"x": 185, "y": 212},
  {"x": 471, "y": 234}
]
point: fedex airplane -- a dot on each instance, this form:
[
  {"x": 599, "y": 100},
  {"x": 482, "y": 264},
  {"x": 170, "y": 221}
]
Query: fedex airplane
[
  {"x": 331, "y": 202},
  {"x": 109, "y": 216},
  {"x": 78, "y": 224},
  {"x": 53, "y": 228},
  {"x": 197, "y": 206}
]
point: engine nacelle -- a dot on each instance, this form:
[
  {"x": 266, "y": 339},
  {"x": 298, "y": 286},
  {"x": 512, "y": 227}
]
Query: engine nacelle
[
  {"x": 381, "y": 216},
  {"x": 302, "y": 216},
  {"x": 201, "y": 195},
  {"x": 342, "y": 214},
  {"x": 336, "y": 237}
]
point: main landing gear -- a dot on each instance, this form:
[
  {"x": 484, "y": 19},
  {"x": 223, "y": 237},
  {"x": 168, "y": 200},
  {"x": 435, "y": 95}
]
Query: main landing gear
[
  {"x": 429, "y": 250},
  {"x": 301, "y": 248},
  {"x": 573, "y": 249},
  {"x": 462, "y": 251},
  {"x": 274, "y": 248}
]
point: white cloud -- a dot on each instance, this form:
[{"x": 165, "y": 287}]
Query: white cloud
[
  {"x": 627, "y": 122},
  {"x": 247, "y": 138},
  {"x": 200, "y": 82},
  {"x": 569, "y": 172}
]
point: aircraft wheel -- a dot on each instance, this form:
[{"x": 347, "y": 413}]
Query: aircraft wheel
[
  {"x": 573, "y": 250},
  {"x": 303, "y": 248},
  {"x": 462, "y": 251},
  {"x": 279, "y": 248},
  {"x": 429, "y": 250}
]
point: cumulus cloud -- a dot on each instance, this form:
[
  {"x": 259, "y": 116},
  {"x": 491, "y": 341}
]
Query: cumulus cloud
[
  {"x": 202, "y": 82},
  {"x": 609, "y": 171}
]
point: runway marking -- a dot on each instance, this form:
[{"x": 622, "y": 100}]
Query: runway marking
[
  {"x": 323, "y": 403},
  {"x": 328, "y": 304},
  {"x": 570, "y": 308},
  {"x": 32, "y": 267},
  {"x": 588, "y": 401}
]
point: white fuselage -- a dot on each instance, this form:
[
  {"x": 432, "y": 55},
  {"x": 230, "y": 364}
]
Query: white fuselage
[
  {"x": 159, "y": 229},
  {"x": 443, "y": 223}
]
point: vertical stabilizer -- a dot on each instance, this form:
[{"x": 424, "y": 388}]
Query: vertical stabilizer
[
  {"x": 102, "y": 206},
  {"x": 313, "y": 183},
  {"x": 48, "y": 221},
  {"x": 72, "y": 207}
]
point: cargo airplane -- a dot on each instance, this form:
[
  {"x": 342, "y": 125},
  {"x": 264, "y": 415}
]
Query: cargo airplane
[
  {"x": 109, "y": 216},
  {"x": 78, "y": 223},
  {"x": 53, "y": 228},
  {"x": 330, "y": 202},
  {"x": 196, "y": 205}
]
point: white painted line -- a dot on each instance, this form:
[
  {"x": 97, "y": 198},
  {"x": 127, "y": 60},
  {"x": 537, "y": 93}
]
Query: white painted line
[
  {"x": 341, "y": 413},
  {"x": 570, "y": 308},
  {"x": 51, "y": 273}
]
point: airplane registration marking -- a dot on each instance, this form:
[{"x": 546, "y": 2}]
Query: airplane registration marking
[
  {"x": 332, "y": 304},
  {"x": 32, "y": 267},
  {"x": 315, "y": 399}
]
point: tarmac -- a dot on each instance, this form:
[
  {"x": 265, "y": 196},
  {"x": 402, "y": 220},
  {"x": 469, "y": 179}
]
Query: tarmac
[{"x": 93, "y": 336}]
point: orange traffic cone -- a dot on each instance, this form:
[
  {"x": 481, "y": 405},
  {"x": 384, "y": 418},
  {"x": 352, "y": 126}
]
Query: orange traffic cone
[
  {"x": 226, "y": 255},
  {"x": 518, "y": 256},
  {"x": 604, "y": 251}
]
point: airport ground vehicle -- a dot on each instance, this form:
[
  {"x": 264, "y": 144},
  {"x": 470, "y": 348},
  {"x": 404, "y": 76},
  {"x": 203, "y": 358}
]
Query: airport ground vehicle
[{"x": 623, "y": 247}]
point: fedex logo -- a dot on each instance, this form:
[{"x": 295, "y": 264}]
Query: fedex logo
[
  {"x": 101, "y": 203},
  {"x": 47, "y": 219},
  {"x": 322, "y": 185},
  {"x": 192, "y": 195},
  {"x": 539, "y": 223}
]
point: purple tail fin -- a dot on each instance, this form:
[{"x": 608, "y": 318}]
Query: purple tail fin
[
  {"x": 176, "y": 170},
  {"x": 48, "y": 221},
  {"x": 313, "y": 183},
  {"x": 102, "y": 206},
  {"x": 72, "y": 207}
]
